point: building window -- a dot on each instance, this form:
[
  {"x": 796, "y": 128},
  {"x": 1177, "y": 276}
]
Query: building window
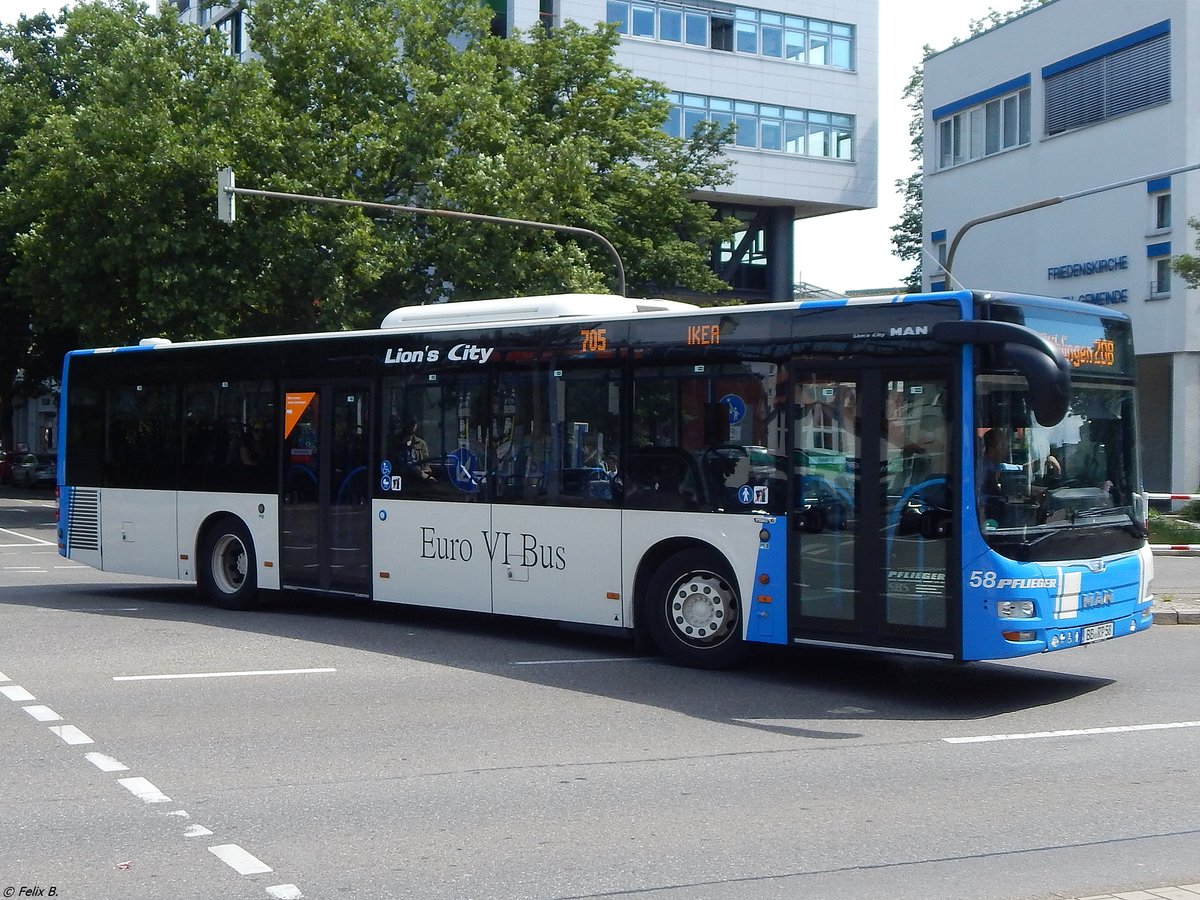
[
  {"x": 983, "y": 124},
  {"x": 761, "y": 126},
  {"x": 1162, "y": 212},
  {"x": 232, "y": 29},
  {"x": 1121, "y": 76},
  {"x": 548, "y": 14},
  {"x": 499, "y": 17},
  {"x": 1161, "y": 285},
  {"x": 1158, "y": 256},
  {"x": 743, "y": 30}
]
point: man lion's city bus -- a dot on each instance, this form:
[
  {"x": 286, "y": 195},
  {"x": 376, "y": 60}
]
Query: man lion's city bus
[{"x": 952, "y": 475}]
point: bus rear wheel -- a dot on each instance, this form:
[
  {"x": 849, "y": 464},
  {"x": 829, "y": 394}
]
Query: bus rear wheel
[
  {"x": 227, "y": 572},
  {"x": 694, "y": 612}
]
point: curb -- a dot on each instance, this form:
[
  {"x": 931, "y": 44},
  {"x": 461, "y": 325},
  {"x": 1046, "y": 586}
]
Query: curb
[{"x": 1177, "y": 617}]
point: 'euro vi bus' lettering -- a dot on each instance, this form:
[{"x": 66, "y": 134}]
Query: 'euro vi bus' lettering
[{"x": 526, "y": 551}]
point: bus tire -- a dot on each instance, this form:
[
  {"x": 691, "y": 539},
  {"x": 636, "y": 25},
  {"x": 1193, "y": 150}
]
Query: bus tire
[
  {"x": 227, "y": 572},
  {"x": 693, "y": 611}
]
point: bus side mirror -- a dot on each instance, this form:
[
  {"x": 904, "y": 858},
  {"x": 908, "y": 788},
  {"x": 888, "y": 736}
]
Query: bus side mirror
[{"x": 1023, "y": 349}]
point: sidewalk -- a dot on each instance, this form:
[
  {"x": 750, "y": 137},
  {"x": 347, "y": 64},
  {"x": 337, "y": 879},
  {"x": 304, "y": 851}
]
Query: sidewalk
[{"x": 1176, "y": 608}]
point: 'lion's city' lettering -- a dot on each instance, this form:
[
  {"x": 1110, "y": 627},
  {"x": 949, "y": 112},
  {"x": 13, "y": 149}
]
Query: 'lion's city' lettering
[{"x": 457, "y": 353}]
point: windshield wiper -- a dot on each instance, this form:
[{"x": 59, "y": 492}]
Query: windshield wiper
[{"x": 1094, "y": 511}]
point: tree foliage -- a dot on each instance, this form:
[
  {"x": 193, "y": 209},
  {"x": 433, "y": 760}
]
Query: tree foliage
[
  {"x": 1187, "y": 264},
  {"x": 908, "y": 234},
  {"x": 114, "y": 120}
]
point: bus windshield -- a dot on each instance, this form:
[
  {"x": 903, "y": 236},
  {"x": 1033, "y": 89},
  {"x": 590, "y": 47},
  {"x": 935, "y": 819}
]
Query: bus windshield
[{"x": 1035, "y": 484}]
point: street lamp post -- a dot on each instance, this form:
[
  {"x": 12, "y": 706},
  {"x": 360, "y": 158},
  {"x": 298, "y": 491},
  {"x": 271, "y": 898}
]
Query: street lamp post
[{"x": 1049, "y": 201}]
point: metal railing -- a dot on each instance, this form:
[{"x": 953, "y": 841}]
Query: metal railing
[{"x": 1172, "y": 548}]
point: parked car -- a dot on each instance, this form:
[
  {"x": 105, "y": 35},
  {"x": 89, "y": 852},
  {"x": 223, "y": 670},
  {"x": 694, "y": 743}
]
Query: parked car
[
  {"x": 6, "y": 466},
  {"x": 822, "y": 505},
  {"x": 35, "y": 469}
]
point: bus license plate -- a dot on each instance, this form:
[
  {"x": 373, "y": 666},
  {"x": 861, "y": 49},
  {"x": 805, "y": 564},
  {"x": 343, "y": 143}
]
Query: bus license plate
[{"x": 1101, "y": 632}]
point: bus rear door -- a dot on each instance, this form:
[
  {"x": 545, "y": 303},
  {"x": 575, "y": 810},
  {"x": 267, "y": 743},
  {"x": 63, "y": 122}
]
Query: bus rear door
[{"x": 324, "y": 509}]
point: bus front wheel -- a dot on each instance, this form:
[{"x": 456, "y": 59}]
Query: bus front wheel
[
  {"x": 227, "y": 573},
  {"x": 694, "y": 613}
]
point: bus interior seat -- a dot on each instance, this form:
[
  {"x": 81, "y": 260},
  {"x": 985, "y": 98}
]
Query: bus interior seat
[{"x": 661, "y": 478}]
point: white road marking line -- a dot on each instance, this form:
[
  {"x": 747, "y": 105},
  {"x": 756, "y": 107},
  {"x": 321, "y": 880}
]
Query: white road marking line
[
  {"x": 284, "y": 892},
  {"x": 1070, "y": 732},
  {"x": 144, "y": 790},
  {"x": 43, "y": 713},
  {"x": 41, "y": 569},
  {"x": 71, "y": 734},
  {"x": 196, "y": 831},
  {"x": 239, "y": 860},
  {"x": 219, "y": 674},
  {"x": 72, "y": 567},
  {"x": 25, "y": 537},
  {"x": 568, "y": 662},
  {"x": 16, "y": 693},
  {"x": 3, "y": 677},
  {"x": 105, "y": 763}
]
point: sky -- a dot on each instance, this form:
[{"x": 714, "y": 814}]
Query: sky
[{"x": 846, "y": 251}]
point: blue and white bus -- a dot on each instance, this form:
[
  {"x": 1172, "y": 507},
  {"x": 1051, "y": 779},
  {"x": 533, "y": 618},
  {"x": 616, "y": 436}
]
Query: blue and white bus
[{"x": 950, "y": 474}]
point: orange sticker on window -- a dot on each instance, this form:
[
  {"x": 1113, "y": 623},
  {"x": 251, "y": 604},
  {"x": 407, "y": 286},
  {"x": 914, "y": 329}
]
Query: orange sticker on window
[{"x": 294, "y": 405}]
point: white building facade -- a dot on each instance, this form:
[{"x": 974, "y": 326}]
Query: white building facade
[
  {"x": 1074, "y": 96},
  {"x": 799, "y": 80}
]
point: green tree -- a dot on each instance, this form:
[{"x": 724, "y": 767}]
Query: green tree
[
  {"x": 114, "y": 120},
  {"x": 908, "y": 234},
  {"x": 541, "y": 126},
  {"x": 1187, "y": 264}
]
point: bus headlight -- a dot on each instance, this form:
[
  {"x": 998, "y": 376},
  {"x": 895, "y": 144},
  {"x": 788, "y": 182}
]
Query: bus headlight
[{"x": 1015, "y": 609}]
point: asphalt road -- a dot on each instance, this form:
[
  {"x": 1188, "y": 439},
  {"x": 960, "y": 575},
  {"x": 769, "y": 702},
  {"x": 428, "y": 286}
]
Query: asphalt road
[{"x": 155, "y": 747}]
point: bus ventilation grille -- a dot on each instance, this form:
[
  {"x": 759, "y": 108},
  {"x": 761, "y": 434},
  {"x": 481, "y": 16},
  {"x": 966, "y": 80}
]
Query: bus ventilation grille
[{"x": 84, "y": 511}]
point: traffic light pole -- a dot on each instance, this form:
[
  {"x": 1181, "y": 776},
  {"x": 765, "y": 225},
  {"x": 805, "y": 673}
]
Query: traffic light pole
[{"x": 226, "y": 212}]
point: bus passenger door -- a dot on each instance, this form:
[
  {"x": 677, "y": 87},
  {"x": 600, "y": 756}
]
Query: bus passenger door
[
  {"x": 873, "y": 515},
  {"x": 325, "y": 508}
]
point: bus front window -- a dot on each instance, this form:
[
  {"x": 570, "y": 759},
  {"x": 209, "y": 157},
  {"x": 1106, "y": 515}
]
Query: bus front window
[{"x": 1033, "y": 481}]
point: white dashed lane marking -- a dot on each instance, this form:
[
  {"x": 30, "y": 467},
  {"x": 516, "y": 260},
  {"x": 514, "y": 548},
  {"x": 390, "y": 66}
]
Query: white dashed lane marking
[
  {"x": 71, "y": 734},
  {"x": 42, "y": 713},
  {"x": 105, "y": 763},
  {"x": 143, "y": 790},
  {"x": 234, "y": 856},
  {"x": 241, "y": 861}
]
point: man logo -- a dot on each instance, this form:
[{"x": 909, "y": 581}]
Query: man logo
[{"x": 1097, "y": 565}]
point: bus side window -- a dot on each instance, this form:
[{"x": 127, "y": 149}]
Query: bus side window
[{"x": 432, "y": 445}]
